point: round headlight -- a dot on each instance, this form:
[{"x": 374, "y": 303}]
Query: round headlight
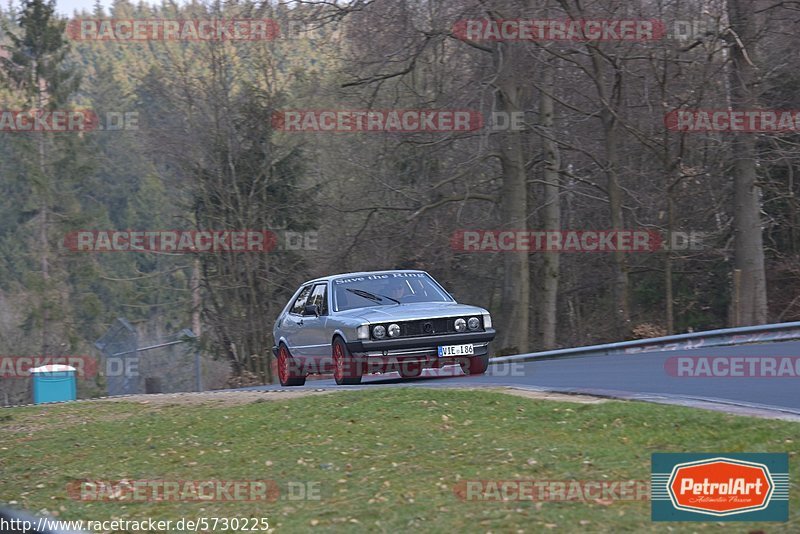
[
  {"x": 394, "y": 330},
  {"x": 379, "y": 332},
  {"x": 461, "y": 325},
  {"x": 473, "y": 323}
]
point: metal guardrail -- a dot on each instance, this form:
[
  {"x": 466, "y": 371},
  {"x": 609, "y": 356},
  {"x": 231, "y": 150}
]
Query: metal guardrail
[{"x": 694, "y": 340}]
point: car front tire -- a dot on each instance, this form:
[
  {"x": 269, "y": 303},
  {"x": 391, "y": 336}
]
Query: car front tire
[
  {"x": 347, "y": 370},
  {"x": 288, "y": 372},
  {"x": 475, "y": 365}
]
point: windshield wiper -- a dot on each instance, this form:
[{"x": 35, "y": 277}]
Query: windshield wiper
[{"x": 371, "y": 296}]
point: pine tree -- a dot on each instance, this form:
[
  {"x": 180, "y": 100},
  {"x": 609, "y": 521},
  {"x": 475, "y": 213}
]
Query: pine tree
[{"x": 35, "y": 68}]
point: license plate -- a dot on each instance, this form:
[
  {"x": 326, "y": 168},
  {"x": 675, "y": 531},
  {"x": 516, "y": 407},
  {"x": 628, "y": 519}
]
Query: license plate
[{"x": 456, "y": 350}]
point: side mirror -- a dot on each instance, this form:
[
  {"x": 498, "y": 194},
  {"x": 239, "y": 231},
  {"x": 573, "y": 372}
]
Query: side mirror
[{"x": 311, "y": 309}]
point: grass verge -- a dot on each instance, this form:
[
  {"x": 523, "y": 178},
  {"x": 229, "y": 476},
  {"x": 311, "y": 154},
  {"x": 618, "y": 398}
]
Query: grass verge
[{"x": 381, "y": 461}]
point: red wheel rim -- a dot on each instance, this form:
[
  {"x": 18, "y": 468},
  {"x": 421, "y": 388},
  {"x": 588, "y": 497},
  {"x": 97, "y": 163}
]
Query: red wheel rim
[
  {"x": 338, "y": 362},
  {"x": 283, "y": 365}
]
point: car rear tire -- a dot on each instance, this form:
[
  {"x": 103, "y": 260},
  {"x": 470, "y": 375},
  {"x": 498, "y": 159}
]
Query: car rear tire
[
  {"x": 347, "y": 370},
  {"x": 288, "y": 372},
  {"x": 410, "y": 370},
  {"x": 475, "y": 365}
]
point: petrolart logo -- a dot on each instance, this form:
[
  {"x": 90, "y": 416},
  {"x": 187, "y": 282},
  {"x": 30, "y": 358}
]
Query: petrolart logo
[{"x": 720, "y": 487}]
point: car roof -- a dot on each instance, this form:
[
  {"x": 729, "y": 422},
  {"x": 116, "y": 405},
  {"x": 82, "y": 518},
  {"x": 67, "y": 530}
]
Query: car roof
[{"x": 360, "y": 273}]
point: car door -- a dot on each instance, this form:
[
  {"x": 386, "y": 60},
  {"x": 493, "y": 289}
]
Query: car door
[
  {"x": 315, "y": 337},
  {"x": 293, "y": 324}
]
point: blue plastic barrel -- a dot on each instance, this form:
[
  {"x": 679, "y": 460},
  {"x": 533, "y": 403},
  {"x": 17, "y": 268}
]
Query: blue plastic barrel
[{"x": 53, "y": 383}]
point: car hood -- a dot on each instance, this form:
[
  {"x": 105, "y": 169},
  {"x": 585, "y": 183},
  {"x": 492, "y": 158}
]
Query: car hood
[{"x": 411, "y": 311}]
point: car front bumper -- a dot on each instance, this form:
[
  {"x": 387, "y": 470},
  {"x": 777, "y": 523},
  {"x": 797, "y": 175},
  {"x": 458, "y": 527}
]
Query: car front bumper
[{"x": 387, "y": 346}]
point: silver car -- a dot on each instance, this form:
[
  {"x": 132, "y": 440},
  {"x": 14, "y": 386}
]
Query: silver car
[{"x": 382, "y": 321}]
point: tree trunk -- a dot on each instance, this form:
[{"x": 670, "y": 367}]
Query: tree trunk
[
  {"x": 622, "y": 317},
  {"x": 748, "y": 244},
  {"x": 43, "y": 220},
  {"x": 515, "y": 303},
  {"x": 551, "y": 215},
  {"x": 611, "y": 99},
  {"x": 668, "y": 290},
  {"x": 197, "y": 299}
]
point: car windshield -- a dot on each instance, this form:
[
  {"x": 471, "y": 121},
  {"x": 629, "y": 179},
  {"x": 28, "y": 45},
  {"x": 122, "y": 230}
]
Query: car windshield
[{"x": 386, "y": 289}]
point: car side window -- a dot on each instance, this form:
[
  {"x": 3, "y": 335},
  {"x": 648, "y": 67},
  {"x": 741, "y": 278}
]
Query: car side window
[
  {"x": 320, "y": 297},
  {"x": 300, "y": 302}
]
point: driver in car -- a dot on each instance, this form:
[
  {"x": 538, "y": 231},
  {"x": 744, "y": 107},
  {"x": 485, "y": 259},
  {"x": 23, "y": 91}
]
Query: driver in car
[{"x": 398, "y": 291}]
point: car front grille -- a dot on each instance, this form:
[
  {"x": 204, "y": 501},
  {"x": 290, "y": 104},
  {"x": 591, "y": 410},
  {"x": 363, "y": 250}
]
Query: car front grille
[{"x": 428, "y": 327}]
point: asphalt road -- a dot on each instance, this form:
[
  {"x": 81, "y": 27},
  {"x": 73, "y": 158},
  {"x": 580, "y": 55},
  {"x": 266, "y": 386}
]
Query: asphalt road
[{"x": 639, "y": 376}]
